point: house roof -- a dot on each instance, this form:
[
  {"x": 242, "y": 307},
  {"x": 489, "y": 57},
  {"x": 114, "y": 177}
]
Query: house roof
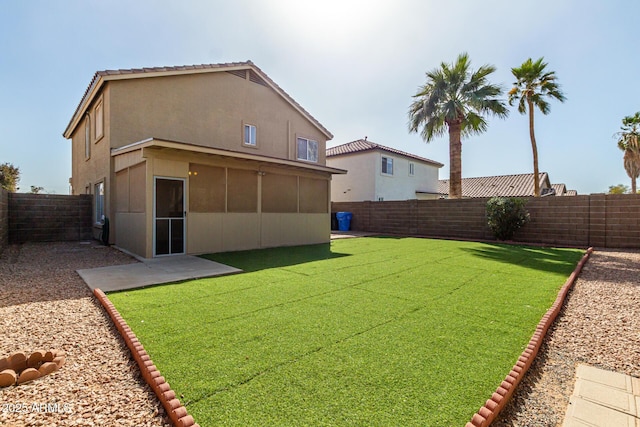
[
  {"x": 163, "y": 144},
  {"x": 520, "y": 185},
  {"x": 560, "y": 189},
  {"x": 100, "y": 77},
  {"x": 362, "y": 145}
]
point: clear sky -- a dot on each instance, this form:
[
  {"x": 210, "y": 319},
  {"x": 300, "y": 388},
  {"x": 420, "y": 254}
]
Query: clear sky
[{"x": 353, "y": 64}]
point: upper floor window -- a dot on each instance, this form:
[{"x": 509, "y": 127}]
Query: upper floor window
[
  {"x": 387, "y": 165},
  {"x": 99, "y": 125},
  {"x": 87, "y": 136},
  {"x": 307, "y": 150},
  {"x": 412, "y": 169},
  {"x": 250, "y": 135}
]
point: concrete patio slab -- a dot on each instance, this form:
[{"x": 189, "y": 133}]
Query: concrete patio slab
[
  {"x": 603, "y": 398},
  {"x": 350, "y": 234},
  {"x": 153, "y": 272}
]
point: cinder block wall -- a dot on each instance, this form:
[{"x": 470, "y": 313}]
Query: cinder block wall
[
  {"x": 49, "y": 218},
  {"x": 596, "y": 220},
  {"x": 4, "y": 219}
]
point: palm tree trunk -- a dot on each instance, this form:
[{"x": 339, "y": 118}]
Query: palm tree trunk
[
  {"x": 633, "y": 186},
  {"x": 455, "y": 160},
  {"x": 534, "y": 147}
]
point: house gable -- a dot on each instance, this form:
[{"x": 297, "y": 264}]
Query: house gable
[{"x": 251, "y": 73}]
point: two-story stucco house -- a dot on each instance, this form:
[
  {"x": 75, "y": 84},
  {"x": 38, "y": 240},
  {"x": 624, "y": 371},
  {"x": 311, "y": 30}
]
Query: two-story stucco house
[
  {"x": 197, "y": 159},
  {"x": 380, "y": 173}
]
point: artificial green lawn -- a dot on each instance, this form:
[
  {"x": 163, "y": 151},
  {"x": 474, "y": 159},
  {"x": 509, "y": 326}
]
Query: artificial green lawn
[{"x": 367, "y": 331}]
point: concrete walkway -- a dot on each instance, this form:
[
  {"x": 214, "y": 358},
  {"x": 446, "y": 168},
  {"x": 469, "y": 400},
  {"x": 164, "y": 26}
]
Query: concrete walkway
[
  {"x": 349, "y": 234},
  {"x": 153, "y": 272},
  {"x": 603, "y": 399}
]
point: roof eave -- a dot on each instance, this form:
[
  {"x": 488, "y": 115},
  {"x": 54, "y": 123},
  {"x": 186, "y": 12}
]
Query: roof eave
[
  {"x": 431, "y": 162},
  {"x": 162, "y": 143}
]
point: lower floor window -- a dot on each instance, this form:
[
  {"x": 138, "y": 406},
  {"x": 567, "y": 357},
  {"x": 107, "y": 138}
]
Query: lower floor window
[{"x": 99, "y": 195}]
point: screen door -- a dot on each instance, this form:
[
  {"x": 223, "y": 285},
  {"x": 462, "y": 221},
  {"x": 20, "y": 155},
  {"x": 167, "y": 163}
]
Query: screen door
[{"x": 169, "y": 217}]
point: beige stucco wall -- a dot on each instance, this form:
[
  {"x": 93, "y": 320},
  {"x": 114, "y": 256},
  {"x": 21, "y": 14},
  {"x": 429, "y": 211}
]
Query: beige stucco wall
[
  {"x": 210, "y": 110},
  {"x": 358, "y": 183},
  {"x": 294, "y": 229},
  {"x": 85, "y": 173},
  {"x": 130, "y": 232}
]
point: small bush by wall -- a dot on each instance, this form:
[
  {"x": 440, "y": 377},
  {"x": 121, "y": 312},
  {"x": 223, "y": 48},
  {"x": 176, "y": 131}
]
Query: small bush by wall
[{"x": 49, "y": 218}]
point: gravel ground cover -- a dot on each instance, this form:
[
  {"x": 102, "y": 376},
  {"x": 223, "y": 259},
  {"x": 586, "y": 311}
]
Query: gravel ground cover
[
  {"x": 599, "y": 325},
  {"x": 45, "y": 305}
]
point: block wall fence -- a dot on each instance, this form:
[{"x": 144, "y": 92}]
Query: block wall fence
[
  {"x": 4, "y": 219},
  {"x": 49, "y": 217},
  {"x": 598, "y": 220}
]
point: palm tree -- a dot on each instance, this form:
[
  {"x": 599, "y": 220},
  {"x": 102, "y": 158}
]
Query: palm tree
[
  {"x": 629, "y": 143},
  {"x": 456, "y": 99},
  {"x": 533, "y": 85}
]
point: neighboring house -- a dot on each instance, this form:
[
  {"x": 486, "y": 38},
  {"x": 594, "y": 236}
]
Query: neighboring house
[
  {"x": 376, "y": 172},
  {"x": 559, "y": 189},
  {"x": 197, "y": 159},
  {"x": 520, "y": 185}
]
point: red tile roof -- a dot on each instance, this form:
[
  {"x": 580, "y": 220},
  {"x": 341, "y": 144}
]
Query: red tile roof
[
  {"x": 101, "y": 76},
  {"x": 362, "y": 145},
  {"x": 520, "y": 185}
]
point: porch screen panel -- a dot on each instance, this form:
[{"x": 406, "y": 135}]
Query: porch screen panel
[
  {"x": 122, "y": 191},
  {"x": 314, "y": 195},
  {"x": 279, "y": 193},
  {"x": 137, "y": 187},
  {"x": 207, "y": 186},
  {"x": 242, "y": 189}
]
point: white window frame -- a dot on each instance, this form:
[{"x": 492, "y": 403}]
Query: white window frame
[
  {"x": 87, "y": 137},
  {"x": 253, "y": 138},
  {"x": 387, "y": 163},
  {"x": 412, "y": 169},
  {"x": 99, "y": 193},
  {"x": 310, "y": 153},
  {"x": 99, "y": 118}
]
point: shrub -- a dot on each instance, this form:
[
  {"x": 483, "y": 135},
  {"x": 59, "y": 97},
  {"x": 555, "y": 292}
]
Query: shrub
[{"x": 505, "y": 216}]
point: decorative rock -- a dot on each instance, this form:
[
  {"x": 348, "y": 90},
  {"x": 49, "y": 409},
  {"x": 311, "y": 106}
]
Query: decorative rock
[
  {"x": 18, "y": 361},
  {"x": 27, "y": 375},
  {"x": 59, "y": 360},
  {"x": 7, "y": 377},
  {"x": 22, "y": 369},
  {"x": 47, "y": 368},
  {"x": 35, "y": 360}
]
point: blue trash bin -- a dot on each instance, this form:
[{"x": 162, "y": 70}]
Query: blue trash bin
[{"x": 344, "y": 220}]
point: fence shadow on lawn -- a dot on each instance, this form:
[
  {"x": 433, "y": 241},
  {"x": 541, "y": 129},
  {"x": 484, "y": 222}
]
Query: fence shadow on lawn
[
  {"x": 538, "y": 258},
  {"x": 260, "y": 259}
]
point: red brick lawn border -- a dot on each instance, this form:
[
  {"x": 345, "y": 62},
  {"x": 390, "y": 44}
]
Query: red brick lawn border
[
  {"x": 487, "y": 413},
  {"x": 177, "y": 412}
]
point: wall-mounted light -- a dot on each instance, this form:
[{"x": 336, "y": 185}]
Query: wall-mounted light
[{"x": 194, "y": 173}]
